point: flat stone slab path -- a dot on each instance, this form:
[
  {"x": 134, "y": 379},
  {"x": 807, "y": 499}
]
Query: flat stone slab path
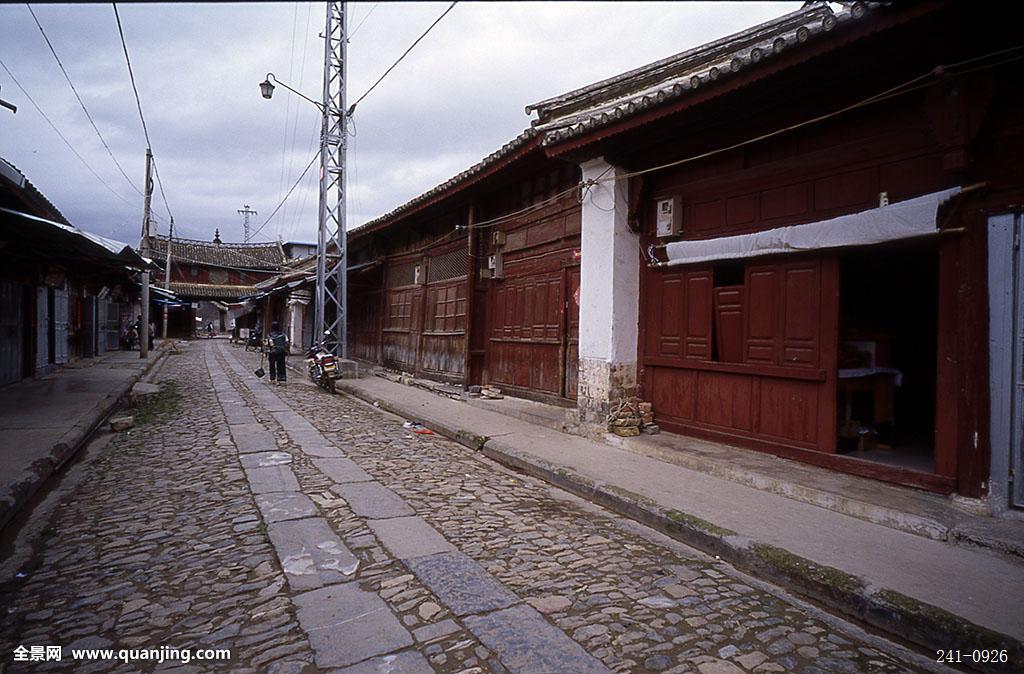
[{"x": 308, "y": 532}]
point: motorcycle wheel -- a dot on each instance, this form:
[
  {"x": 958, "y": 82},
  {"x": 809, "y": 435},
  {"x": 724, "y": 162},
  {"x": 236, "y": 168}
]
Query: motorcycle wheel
[{"x": 330, "y": 386}]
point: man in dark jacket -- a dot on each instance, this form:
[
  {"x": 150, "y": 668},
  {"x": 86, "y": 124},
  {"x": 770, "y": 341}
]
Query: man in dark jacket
[{"x": 277, "y": 344}]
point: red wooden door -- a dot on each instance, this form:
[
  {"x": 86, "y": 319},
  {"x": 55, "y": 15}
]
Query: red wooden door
[{"x": 525, "y": 345}]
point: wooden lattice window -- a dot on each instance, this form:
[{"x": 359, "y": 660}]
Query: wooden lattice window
[
  {"x": 402, "y": 274},
  {"x": 448, "y": 266}
]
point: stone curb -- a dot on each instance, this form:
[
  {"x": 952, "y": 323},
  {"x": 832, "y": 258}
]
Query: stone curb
[
  {"x": 70, "y": 443},
  {"x": 899, "y": 520},
  {"x": 901, "y": 616},
  {"x": 461, "y": 436}
]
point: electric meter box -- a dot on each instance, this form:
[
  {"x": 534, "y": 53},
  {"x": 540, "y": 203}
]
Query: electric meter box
[{"x": 669, "y": 220}]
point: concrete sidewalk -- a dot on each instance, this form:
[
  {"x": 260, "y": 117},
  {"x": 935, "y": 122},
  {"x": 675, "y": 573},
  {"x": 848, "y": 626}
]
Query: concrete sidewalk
[
  {"x": 927, "y": 591},
  {"x": 44, "y": 421}
]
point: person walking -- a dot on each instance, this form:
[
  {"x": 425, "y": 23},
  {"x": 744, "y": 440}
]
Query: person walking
[
  {"x": 277, "y": 344},
  {"x": 137, "y": 329}
]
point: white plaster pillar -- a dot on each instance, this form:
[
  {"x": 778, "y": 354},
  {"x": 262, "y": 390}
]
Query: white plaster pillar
[{"x": 609, "y": 293}]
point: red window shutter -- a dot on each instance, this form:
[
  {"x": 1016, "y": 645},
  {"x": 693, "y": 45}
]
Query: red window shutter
[
  {"x": 698, "y": 315},
  {"x": 801, "y": 314},
  {"x": 761, "y": 332}
]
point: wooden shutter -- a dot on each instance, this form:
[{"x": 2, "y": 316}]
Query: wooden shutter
[
  {"x": 729, "y": 323},
  {"x": 698, "y": 315},
  {"x": 801, "y": 313},
  {"x": 761, "y": 332}
]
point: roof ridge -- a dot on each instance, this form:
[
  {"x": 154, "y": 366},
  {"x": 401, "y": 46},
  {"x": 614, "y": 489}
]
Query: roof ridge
[
  {"x": 664, "y": 67},
  {"x": 261, "y": 244}
]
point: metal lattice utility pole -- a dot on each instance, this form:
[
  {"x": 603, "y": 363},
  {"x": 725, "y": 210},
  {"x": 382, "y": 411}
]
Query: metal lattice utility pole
[
  {"x": 245, "y": 212},
  {"x": 332, "y": 303}
]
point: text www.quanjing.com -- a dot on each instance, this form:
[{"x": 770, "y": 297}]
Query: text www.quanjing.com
[{"x": 158, "y": 655}]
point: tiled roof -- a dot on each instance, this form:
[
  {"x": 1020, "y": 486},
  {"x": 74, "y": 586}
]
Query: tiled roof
[
  {"x": 673, "y": 78},
  {"x": 268, "y": 255},
  {"x": 208, "y": 291},
  {"x": 505, "y": 150},
  {"x": 670, "y": 79}
]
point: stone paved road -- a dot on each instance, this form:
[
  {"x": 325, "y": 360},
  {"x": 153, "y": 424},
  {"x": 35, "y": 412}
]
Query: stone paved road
[{"x": 308, "y": 532}]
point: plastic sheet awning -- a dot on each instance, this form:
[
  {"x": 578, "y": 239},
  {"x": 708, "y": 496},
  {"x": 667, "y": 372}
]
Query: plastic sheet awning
[{"x": 903, "y": 220}]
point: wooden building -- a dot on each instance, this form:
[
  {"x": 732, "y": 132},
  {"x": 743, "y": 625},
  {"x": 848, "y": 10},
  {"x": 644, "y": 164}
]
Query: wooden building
[
  {"x": 808, "y": 204},
  {"x": 65, "y": 294},
  {"x": 475, "y": 281},
  {"x": 802, "y": 239},
  {"x": 208, "y": 276}
]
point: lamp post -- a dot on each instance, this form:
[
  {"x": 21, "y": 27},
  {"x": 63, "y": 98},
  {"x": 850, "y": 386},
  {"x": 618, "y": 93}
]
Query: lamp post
[{"x": 331, "y": 218}]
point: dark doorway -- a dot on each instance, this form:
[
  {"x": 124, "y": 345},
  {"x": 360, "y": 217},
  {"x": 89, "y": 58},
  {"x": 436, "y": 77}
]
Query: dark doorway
[{"x": 887, "y": 355}]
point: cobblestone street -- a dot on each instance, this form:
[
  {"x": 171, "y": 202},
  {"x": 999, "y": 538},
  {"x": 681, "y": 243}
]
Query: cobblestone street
[{"x": 309, "y": 532}]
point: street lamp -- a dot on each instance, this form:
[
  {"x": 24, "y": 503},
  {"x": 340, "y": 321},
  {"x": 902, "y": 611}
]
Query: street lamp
[
  {"x": 267, "y": 89},
  {"x": 331, "y": 225}
]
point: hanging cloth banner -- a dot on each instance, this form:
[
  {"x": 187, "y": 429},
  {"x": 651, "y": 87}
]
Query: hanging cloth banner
[{"x": 903, "y": 220}]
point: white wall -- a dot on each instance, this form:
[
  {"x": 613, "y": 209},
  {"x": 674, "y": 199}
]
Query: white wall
[{"x": 609, "y": 268}]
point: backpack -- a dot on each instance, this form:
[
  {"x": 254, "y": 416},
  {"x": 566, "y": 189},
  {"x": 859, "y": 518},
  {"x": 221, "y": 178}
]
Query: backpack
[{"x": 278, "y": 341}]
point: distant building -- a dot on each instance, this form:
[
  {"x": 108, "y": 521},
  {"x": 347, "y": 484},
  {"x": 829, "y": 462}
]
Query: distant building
[
  {"x": 296, "y": 250},
  {"x": 211, "y": 275}
]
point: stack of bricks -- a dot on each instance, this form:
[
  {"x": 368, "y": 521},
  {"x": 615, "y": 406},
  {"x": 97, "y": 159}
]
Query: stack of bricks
[{"x": 632, "y": 416}]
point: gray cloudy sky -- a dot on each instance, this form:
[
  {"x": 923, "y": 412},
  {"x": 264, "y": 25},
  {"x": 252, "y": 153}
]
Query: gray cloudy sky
[{"x": 218, "y": 144}]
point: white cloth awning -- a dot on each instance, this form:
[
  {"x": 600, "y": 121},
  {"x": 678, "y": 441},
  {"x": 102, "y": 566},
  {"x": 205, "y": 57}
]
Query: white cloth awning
[{"x": 903, "y": 220}]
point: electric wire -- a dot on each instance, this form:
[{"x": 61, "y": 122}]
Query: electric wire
[
  {"x": 177, "y": 259},
  {"x": 62, "y": 136},
  {"x": 163, "y": 196},
  {"x": 353, "y": 33},
  {"x": 288, "y": 108},
  {"x": 303, "y": 175},
  {"x": 296, "y": 213},
  {"x": 79, "y": 99},
  {"x": 352, "y": 108},
  {"x": 529, "y": 209},
  {"x": 898, "y": 90},
  {"x": 131, "y": 75}
]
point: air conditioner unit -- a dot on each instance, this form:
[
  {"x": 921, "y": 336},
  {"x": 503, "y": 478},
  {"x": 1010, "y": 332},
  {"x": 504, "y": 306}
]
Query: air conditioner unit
[
  {"x": 669, "y": 217},
  {"x": 498, "y": 238}
]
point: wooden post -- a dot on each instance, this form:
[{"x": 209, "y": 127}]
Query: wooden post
[{"x": 471, "y": 242}]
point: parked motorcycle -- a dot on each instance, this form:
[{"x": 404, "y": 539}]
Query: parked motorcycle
[{"x": 322, "y": 367}]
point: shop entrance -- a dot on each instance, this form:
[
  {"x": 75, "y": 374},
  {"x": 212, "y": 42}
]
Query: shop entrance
[{"x": 888, "y": 326}]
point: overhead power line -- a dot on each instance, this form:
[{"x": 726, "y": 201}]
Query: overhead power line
[
  {"x": 131, "y": 75},
  {"x": 356, "y": 30},
  {"x": 296, "y": 184},
  {"x": 62, "y": 136},
  {"x": 160, "y": 184},
  {"x": 80, "y": 101},
  {"x": 380, "y": 79}
]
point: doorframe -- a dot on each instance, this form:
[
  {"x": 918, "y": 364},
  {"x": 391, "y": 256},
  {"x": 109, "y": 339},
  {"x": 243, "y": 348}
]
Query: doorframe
[
  {"x": 563, "y": 350},
  {"x": 1006, "y": 326}
]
